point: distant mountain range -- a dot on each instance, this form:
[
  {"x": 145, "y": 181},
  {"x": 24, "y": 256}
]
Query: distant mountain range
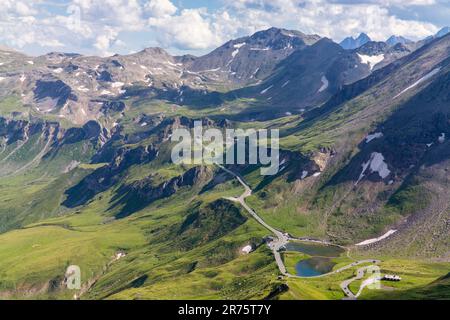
[
  {"x": 443, "y": 32},
  {"x": 294, "y": 70},
  {"x": 351, "y": 43},
  {"x": 87, "y": 177},
  {"x": 393, "y": 40}
]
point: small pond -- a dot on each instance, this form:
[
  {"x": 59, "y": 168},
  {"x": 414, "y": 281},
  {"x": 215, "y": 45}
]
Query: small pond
[
  {"x": 314, "y": 266},
  {"x": 315, "y": 249},
  {"x": 320, "y": 261}
]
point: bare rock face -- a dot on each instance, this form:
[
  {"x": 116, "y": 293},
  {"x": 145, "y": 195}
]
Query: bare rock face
[
  {"x": 253, "y": 58},
  {"x": 286, "y": 68},
  {"x": 52, "y": 94}
]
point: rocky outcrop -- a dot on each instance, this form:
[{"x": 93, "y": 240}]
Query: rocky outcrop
[
  {"x": 105, "y": 177},
  {"x": 140, "y": 194},
  {"x": 53, "y": 89}
]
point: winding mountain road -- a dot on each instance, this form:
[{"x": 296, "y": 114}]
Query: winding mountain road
[
  {"x": 282, "y": 239},
  {"x": 359, "y": 275}
]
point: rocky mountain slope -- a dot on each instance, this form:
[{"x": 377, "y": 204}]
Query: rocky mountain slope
[
  {"x": 351, "y": 43},
  {"x": 87, "y": 177},
  {"x": 77, "y": 89},
  {"x": 250, "y": 59}
]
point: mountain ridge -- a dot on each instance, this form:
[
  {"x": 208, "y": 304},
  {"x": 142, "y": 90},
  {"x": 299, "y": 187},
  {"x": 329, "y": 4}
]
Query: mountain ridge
[{"x": 364, "y": 152}]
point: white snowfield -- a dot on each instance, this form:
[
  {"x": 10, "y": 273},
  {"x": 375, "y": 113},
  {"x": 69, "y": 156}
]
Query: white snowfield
[
  {"x": 209, "y": 70},
  {"x": 247, "y": 249},
  {"x": 375, "y": 240},
  {"x": 375, "y": 164},
  {"x": 117, "y": 84},
  {"x": 424, "y": 78},
  {"x": 254, "y": 73},
  {"x": 374, "y": 136},
  {"x": 260, "y": 49},
  {"x": 2, "y": 78},
  {"x": 304, "y": 174},
  {"x": 325, "y": 84},
  {"x": 174, "y": 64},
  {"x": 267, "y": 89},
  {"x": 285, "y": 84},
  {"x": 372, "y": 61},
  {"x": 239, "y": 45}
]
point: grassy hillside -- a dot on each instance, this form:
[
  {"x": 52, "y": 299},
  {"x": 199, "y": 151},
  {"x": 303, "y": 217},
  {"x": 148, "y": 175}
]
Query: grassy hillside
[{"x": 106, "y": 196}]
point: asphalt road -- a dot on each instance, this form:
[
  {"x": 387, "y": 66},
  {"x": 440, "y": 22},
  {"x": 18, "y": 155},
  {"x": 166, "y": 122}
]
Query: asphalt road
[
  {"x": 359, "y": 275},
  {"x": 282, "y": 238}
]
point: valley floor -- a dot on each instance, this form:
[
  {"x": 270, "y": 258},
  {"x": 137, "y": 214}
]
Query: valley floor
[{"x": 33, "y": 261}]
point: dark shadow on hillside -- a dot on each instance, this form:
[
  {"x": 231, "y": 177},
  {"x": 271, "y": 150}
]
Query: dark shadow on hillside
[
  {"x": 410, "y": 135},
  {"x": 105, "y": 177}
]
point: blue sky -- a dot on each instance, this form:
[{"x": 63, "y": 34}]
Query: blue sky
[{"x": 105, "y": 27}]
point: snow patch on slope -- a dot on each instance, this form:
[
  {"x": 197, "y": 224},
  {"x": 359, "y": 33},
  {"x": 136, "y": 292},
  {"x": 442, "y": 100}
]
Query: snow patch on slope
[
  {"x": 267, "y": 89},
  {"x": 117, "y": 84},
  {"x": 247, "y": 249},
  {"x": 377, "y": 164},
  {"x": 254, "y": 73},
  {"x": 374, "y": 136},
  {"x": 424, "y": 78},
  {"x": 370, "y": 241},
  {"x": 325, "y": 84},
  {"x": 372, "y": 61},
  {"x": 304, "y": 174},
  {"x": 210, "y": 70}
]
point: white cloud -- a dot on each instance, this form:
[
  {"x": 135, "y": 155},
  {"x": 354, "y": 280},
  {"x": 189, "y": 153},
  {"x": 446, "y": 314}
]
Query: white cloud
[
  {"x": 188, "y": 30},
  {"x": 85, "y": 23},
  {"x": 104, "y": 40},
  {"x": 19, "y": 27},
  {"x": 123, "y": 14},
  {"x": 160, "y": 8},
  {"x": 334, "y": 19},
  {"x": 95, "y": 26},
  {"x": 23, "y": 9},
  {"x": 403, "y": 2},
  {"x": 19, "y": 7}
]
